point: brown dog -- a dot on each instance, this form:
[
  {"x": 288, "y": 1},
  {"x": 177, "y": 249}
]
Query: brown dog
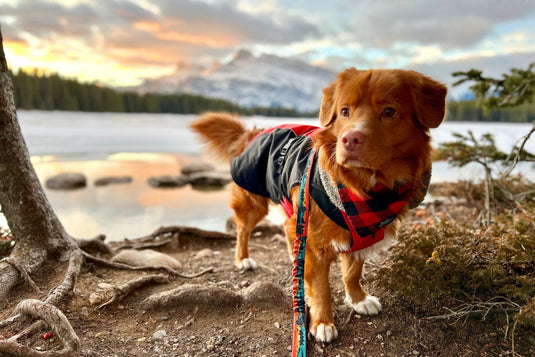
[{"x": 374, "y": 132}]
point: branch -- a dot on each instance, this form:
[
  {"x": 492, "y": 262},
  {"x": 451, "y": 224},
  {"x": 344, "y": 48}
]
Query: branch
[{"x": 518, "y": 153}]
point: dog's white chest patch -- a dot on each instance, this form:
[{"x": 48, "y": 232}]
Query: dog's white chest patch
[{"x": 340, "y": 247}]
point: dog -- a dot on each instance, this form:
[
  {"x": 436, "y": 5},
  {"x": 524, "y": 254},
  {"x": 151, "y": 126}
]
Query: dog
[{"x": 374, "y": 133}]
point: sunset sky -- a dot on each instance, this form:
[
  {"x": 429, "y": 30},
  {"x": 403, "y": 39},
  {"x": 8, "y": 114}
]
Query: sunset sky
[{"x": 121, "y": 42}]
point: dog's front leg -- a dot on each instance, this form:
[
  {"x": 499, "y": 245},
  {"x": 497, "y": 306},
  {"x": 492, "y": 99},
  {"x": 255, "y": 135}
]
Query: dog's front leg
[
  {"x": 319, "y": 294},
  {"x": 356, "y": 297}
]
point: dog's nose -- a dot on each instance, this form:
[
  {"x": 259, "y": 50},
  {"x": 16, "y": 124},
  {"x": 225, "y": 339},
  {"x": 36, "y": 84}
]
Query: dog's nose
[{"x": 353, "y": 139}]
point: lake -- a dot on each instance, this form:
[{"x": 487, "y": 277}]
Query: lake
[{"x": 146, "y": 145}]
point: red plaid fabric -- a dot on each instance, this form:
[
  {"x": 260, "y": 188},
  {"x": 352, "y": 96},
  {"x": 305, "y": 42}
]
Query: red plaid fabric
[{"x": 368, "y": 216}]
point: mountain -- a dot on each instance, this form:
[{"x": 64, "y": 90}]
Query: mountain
[{"x": 249, "y": 81}]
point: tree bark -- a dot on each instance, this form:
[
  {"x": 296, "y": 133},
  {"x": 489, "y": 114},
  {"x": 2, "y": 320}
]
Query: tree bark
[{"x": 36, "y": 230}]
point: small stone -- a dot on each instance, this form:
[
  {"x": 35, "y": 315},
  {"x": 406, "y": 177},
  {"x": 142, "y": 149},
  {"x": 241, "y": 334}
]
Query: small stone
[
  {"x": 277, "y": 325},
  {"x": 84, "y": 311},
  {"x": 380, "y": 337},
  {"x": 66, "y": 181},
  {"x": 105, "y": 286},
  {"x": 159, "y": 335},
  {"x": 168, "y": 181},
  {"x": 105, "y": 181},
  {"x": 95, "y": 299},
  {"x": 204, "y": 253},
  {"x": 209, "y": 180}
]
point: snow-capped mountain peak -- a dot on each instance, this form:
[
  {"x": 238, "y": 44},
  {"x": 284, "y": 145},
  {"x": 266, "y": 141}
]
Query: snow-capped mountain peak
[{"x": 250, "y": 81}]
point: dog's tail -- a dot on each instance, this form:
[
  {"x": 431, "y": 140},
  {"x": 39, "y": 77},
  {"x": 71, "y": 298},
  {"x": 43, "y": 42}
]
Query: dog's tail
[{"x": 224, "y": 135}]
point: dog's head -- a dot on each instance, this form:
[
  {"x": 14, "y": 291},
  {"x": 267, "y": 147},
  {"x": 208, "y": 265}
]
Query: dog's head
[{"x": 377, "y": 122}]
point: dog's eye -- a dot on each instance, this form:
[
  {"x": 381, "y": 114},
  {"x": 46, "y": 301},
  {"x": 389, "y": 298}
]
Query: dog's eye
[
  {"x": 389, "y": 112},
  {"x": 345, "y": 112}
]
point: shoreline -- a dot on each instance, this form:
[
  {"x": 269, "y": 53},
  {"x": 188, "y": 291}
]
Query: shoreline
[{"x": 135, "y": 209}]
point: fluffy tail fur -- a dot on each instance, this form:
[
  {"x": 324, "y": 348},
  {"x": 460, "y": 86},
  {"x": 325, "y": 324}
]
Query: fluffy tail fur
[{"x": 224, "y": 135}]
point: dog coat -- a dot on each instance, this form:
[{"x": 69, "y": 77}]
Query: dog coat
[{"x": 275, "y": 161}]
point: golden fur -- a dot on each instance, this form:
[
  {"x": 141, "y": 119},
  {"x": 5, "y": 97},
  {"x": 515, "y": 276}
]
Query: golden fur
[{"x": 375, "y": 130}]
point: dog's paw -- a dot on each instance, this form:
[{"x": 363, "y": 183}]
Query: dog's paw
[
  {"x": 369, "y": 306},
  {"x": 324, "y": 332},
  {"x": 246, "y": 264}
]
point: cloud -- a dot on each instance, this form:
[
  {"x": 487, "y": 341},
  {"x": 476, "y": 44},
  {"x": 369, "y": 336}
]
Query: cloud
[
  {"x": 176, "y": 27},
  {"x": 157, "y": 34},
  {"x": 449, "y": 24}
]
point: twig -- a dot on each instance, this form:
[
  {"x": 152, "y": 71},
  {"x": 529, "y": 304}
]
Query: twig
[
  {"x": 349, "y": 317},
  {"x": 518, "y": 153}
]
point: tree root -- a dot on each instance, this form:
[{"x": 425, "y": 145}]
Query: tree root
[
  {"x": 121, "y": 291},
  {"x": 54, "y": 318},
  {"x": 23, "y": 272},
  {"x": 129, "y": 244},
  {"x": 94, "y": 245},
  {"x": 75, "y": 265},
  {"x": 262, "y": 293}
]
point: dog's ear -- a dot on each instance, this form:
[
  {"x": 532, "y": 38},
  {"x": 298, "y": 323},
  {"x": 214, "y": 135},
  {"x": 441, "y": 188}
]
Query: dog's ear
[
  {"x": 429, "y": 97},
  {"x": 327, "y": 110}
]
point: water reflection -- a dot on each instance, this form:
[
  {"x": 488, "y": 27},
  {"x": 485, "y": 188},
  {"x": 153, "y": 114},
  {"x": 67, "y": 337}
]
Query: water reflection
[{"x": 134, "y": 209}]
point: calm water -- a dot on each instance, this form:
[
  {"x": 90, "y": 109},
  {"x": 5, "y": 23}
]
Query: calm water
[{"x": 145, "y": 145}]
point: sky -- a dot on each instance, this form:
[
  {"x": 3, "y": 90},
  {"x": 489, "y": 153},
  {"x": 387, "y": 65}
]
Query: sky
[{"x": 123, "y": 42}]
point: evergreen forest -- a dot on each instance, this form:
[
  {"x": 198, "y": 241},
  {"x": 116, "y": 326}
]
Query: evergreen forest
[{"x": 52, "y": 92}]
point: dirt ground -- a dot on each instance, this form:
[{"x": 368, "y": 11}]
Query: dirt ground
[{"x": 254, "y": 327}]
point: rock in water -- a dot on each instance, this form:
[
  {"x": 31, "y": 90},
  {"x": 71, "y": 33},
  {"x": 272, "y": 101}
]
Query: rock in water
[
  {"x": 66, "y": 181},
  {"x": 196, "y": 167}
]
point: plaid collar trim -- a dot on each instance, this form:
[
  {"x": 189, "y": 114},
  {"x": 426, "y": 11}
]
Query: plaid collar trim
[{"x": 368, "y": 216}]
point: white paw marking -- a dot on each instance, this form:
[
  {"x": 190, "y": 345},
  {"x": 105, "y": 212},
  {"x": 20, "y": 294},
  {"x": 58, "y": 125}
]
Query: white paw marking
[
  {"x": 325, "y": 333},
  {"x": 369, "y": 306},
  {"x": 247, "y": 264}
]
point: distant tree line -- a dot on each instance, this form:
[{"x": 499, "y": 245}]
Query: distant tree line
[
  {"x": 472, "y": 111},
  {"x": 52, "y": 92}
]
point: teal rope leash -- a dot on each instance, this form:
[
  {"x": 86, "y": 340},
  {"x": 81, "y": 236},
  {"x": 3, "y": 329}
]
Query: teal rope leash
[{"x": 301, "y": 231}]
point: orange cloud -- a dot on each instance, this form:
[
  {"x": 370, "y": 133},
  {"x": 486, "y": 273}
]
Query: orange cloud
[{"x": 160, "y": 32}]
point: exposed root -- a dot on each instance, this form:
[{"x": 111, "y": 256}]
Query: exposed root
[
  {"x": 129, "y": 244},
  {"x": 54, "y": 318},
  {"x": 198, "y": 233},
  {"x": 189, "y": 295},
  {"x": 23, "y": 272},
  {"x": 75, "y": 265},
  {"x": 121, "y": 291},
  {"x": 121, "y": 266},
  {"x": 94, "y": 245}
]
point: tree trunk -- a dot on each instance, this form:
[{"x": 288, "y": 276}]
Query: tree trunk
[{"x": 36, "y": 230}]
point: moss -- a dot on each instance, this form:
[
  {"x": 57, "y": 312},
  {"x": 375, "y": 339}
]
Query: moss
[{"x": 438, "y": 266}]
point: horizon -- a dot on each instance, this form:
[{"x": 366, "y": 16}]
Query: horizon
[{"x": 123, "y": 43}]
